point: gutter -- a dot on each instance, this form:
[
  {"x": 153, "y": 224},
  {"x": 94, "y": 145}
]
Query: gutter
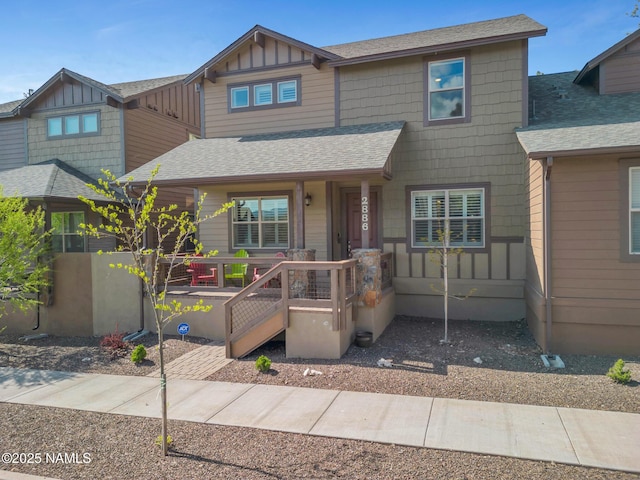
[{"x": 548, "y": 164}]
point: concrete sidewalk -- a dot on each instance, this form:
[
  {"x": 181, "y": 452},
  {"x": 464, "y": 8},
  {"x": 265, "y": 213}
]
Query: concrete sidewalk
[{"x": 580, "y": 437}]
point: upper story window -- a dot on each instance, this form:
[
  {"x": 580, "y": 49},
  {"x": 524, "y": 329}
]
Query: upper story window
[
  {"x": 458, "y": 212},
  {"x": 447, "y": 98},
  {"x": 73, "y": 125},
  {"x": 634, "y": 211},
  {"x": 261, "y": 222},
  {"x": 65, "y": 237},
  {"x": 274, "y": 93}
]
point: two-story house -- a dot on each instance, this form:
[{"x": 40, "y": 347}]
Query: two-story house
[
  {"x": 372, "y": 144},
  {"x": 60, "y": 137}
]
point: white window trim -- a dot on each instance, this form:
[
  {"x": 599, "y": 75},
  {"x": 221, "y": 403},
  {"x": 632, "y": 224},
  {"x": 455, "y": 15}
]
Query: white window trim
[
  {"x": 255, "y": 96},
  {"x": 632, "y": 210},
  {"x": 295, "y": 99},
  {"x": 463, "y": 88},
  {"x": 237, "y": 89},
  {"x": 447, "y": 217},
  {"x": 259, "y": 222}
]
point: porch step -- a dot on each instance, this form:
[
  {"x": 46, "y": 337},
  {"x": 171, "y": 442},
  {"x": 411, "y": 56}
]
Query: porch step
[{"x": 258, "y": 335}]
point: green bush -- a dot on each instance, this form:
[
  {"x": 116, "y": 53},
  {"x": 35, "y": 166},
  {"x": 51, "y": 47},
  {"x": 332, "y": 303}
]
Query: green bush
[
  {"x": 138, "y": 354},
  {"x": 159, "y": 440},
  {"x": 263, "y": 364},
  {"x": 618, "y": 373}
]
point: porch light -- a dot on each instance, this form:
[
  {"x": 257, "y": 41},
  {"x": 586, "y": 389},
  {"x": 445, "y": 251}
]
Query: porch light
[{"x": 307, "y": 200}]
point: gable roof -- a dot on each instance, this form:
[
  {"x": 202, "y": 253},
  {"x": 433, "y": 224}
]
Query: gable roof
[
  {"x": 427, "y": 41},
  {"x": 595, "y": 62},
  {"x": 258, "y": 29},
  {"x": 53, "y": 179},
  {"x": 298, "y": 155},
  {"x": 571, "y": 119},
  {"x": 120, "y": 92},
  {"x": 438, "y": 40}
]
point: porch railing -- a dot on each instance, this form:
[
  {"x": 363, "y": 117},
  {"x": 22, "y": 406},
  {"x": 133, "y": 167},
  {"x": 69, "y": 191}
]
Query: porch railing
[{"x": 329, "y": 285}]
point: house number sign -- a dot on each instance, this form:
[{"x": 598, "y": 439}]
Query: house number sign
[{"x": 365, "y": 213}]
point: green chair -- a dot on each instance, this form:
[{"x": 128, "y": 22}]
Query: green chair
[{"x": 237, "y": 271}]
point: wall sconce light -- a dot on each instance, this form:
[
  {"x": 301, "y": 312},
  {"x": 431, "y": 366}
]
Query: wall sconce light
[{"x": 307, "y": 200}]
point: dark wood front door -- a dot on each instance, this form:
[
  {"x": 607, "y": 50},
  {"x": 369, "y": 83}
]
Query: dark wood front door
[{"x": 355, "y": 218}]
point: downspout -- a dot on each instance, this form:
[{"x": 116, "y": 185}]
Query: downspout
[{"x": 548, "y": 164}]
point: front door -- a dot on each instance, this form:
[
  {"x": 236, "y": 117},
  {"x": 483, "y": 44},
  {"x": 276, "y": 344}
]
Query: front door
[{"x": 355, "y": 217}]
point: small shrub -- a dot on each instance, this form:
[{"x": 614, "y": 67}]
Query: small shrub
[
  {"x": 263, "y": 364},
  {"x": 138, "y": 354},
  {"x": 115, "y": 344},
  {"x": 618, "y": 373},
  {"x": 159, "y": 440}
]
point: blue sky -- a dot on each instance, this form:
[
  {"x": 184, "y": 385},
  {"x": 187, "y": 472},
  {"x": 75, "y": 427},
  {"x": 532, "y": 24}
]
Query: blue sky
[{"x": 123, "y": 40}]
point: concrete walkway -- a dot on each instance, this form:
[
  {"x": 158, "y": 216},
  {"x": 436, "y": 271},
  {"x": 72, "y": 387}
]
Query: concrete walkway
[{"x": 565, "y": 435}]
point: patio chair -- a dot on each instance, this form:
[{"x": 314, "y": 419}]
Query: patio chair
[
  {"x": 237, "y": 271},
  {"x": 199, "y": 274},
  {"x": 259, "y": 271}
]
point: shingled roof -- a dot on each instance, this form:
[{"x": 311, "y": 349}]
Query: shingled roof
[
  {"x": 298, "y": 155},
  {"x": 567, "y": 118},
  {"x": 439, "y": 39},
  {"x": 53, "y": 179}
]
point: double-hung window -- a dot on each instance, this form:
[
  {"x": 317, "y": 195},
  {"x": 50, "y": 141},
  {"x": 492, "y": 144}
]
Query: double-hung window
[
  {"x": 260, "y": 222},
  {"x": 458, "y": 214},
  {"x": 447, "y": 96},
  {"x": 73, "y": 125},
  {"x": 65, "y": 236},
  {"x": 259, "y": 94},
  {"x": 634, "y": 210}
]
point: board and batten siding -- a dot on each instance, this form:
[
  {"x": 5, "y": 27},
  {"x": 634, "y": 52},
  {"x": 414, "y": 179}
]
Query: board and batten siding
[
  {"x": 214, "y": 233},
  {"x": 619, "y": 73},
  {"x": 12, "y": 144},
  {"x": 89, "y": 154},
  {"x": 317, "y": 108}
]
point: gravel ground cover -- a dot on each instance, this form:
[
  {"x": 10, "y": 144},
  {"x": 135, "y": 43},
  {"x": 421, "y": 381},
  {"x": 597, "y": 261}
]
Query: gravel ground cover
[{"x": 123, "y": 447}]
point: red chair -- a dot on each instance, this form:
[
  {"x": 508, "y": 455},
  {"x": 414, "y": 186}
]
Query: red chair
[
  {"x": 257, "y": 273},
  {"x": 200, "y": 276}
]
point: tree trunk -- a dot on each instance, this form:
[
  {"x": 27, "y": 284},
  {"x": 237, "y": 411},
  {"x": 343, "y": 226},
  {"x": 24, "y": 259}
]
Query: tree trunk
[{"x": 163, "y": 392}]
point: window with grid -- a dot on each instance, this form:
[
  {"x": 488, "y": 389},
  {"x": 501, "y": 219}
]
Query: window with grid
[
  {"x": 260, "y": 222},
  {"x": 460, "y": 212},
  {"x": 73, "y": 125},
  {"x": 446, "y": 85},
  {"x": 634, "y": 210},
  {"x": 65, "y": 237}
]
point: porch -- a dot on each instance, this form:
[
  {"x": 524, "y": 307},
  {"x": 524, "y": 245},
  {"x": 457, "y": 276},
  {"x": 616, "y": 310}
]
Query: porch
[{"x": 316, "y": 305}]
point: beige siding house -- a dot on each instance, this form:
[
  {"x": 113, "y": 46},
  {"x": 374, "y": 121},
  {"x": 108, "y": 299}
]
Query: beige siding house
[
  {"x": 583, "y": 185},
  {"x": 373, "y": 144}
]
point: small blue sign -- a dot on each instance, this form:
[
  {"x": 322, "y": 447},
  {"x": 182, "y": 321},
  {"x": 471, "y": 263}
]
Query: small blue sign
[{"x": 183, "y": 328}]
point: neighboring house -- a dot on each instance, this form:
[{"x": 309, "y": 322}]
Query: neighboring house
[
  {"x": 87, "y": 126},
  {"x": 583, "y": 184},
  {"x": 58, "y": 139},
  {"x": 419, "y": 126}
]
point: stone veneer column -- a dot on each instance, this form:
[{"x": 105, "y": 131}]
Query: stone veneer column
[
  {"x": 302, "y": 282},
  {"x": 368, "y": 276}
]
